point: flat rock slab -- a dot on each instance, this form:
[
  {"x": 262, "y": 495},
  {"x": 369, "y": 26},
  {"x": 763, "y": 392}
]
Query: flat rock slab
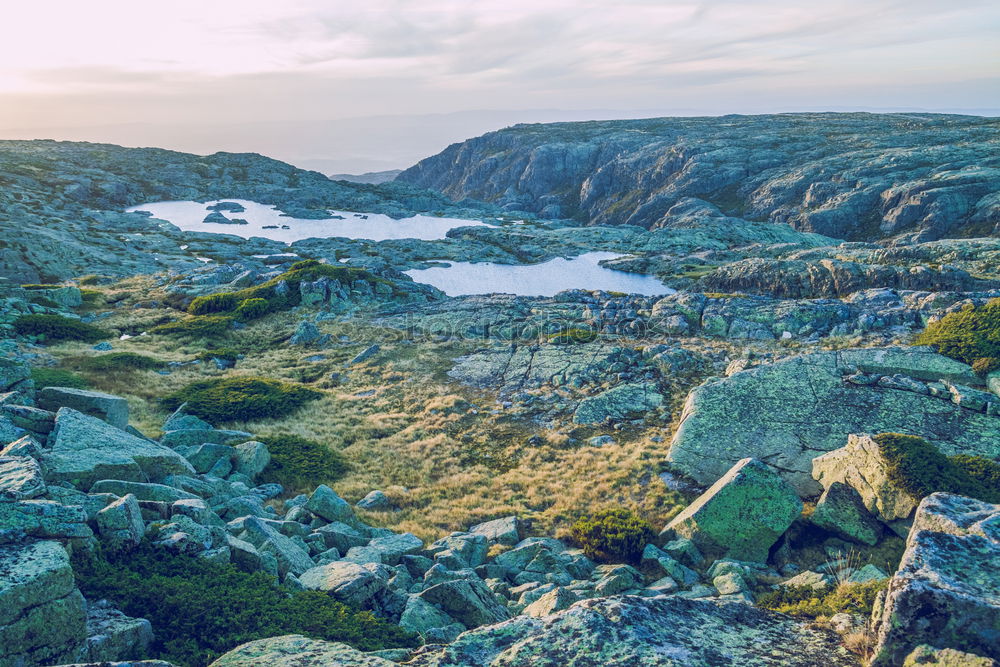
[
  {"x": 792, "y": 411},
  {"x": 516, "y": 367},
  {"x": 653, "y": 632},
  {"x": 85, "y": 449},
  {"x": 20, "y": 478},
  {"x": 112, "y": 409},
  {"x": 618, "y": 403}
]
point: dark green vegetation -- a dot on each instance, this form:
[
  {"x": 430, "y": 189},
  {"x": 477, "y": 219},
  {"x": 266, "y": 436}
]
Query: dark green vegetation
[
  {"x": 279, "y": 293},
  {"x": 920, "y": 469},
  {"x": 298, "y": 463},
  {"x": 613, "y": 535},
  {"x": 809, "y": 602},
  {"x": 983, "y": 366},
  {"x": 207, "y": 326},
  {"x": 57, "y": 377},
  {"x": 201, "y": 609},
  {"x": 240, "y": 399},
  {"x": 120, "y": 361},
  {"x": 573, "y": 336},
  {"x": 968, "y": 335},
  {"x": 51, "y": 328}
]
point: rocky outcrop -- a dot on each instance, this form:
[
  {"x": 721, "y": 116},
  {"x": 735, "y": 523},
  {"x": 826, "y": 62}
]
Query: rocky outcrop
[
  {"x": 656, "y": 632},
  {"x": 868, "y": 176},
  {"x": 946, "y": 592},
  {"x": 781, "y": 413},
  {"x": 297, "y": 651}
]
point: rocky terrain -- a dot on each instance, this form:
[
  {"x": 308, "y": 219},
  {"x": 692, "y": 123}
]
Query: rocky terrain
[
  {"x": 850, "y": 176},
  {"x": 280, "y": 457}
]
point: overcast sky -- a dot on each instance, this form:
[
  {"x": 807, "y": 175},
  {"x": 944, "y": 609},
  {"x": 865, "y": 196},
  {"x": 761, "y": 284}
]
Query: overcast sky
[{"x": 266, "y": 75}]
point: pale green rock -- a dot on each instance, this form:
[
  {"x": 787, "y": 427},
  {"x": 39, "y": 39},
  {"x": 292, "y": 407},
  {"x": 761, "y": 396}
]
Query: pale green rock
[
  {"x": 551, "y": 602},
  {"x": 929, "y": 656},
  {"x": 468, "y": 601},
  {"x": 191, "y": 437},
  {"x": 112, "y": 409},
  {"x": 666, "y": 631},
  {"x": 946, "y": 592},
  {"x": 326, "y": 504},
  {"x": 420, "y": 616},
  {"x": 993, "y": 382},
  {"x": 85, "y": 449},
  {"x": 20, "y": 478},
  {"x": 842, "y": 511},
  {"x": 619, "y": 403},
  {"x": 251, "y": 458},
  {"x": 142, "y": 491},
  {"x": 741, "y": 515},
  {"x": 869, "y": 572},
  {"x": 781, "y": 413},
  {"x": 860, "y": 466},
  {"x": 298, "y": 651},
  {"x": 347, "y": 582},
  {"x": 120, "y": 524},
  {"x": 42, "y": 519},
  {"x": 291, "y": 557},
  {"x": 111, "y": 635}
]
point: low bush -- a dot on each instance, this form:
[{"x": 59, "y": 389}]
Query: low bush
[
  {"x": 917, "y": 467},
  {"x": 251, "y": 309},
  {"x": 213, "y": 303},
  {"x": 91, "y": 296},
  {"x": 297, "y": 463},
  {"x": 983, "y": 366},
  {"x": 613, "y": 535},
  {"x": 206, "y": 326},
  {"x": 573, "y": 336},
  {"x": 240, "y": 399},
  {"x": 120, "y": 361},
  {"x": 57, "y": 377},
  {"x": 58, "y": 328},
  {"x": 809, "y": 602},
  {"x": 968, "y": 334},
  {"x": 200, "y": 609}
]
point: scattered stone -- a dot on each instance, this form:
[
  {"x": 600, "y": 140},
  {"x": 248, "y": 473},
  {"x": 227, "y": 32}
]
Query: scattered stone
[
  {"x": 376, "y": 501},
  {"x": 507, "y": 530},
  {"x": 365, "y": 355}
]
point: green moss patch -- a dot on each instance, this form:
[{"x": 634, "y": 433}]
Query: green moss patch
[
  {"x": 809, "y": 602},
  {"x": 200, "y": 609},
  {"x": 120, "y": 361},
  {"x": 210, "y": 326},
  {"x": 917, "y": 467},
  {"x": 58, "y": 328},
  {"x": 968, "y": 334},
  {"x": 573, "y": 336},
  {"x": 613, "y": 535},
  {"x": 297, "y": 463},
  {"x": 241, "y": 399}
]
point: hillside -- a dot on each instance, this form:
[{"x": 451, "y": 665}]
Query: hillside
[{"x": 854, "y": 176}]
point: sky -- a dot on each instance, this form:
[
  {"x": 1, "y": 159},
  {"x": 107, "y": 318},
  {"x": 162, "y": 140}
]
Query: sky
[{"x": 345, "y": 86}]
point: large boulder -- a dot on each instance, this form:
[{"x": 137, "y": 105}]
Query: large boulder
[
  {"x": 468, "y": 601},
  {"x": 345, "y": 581},
  {"x": 120, "y": 524},
  {"x": 861, "y": 466},
  {"x": 326, "y": 504},
  {"x": 291, "y": 557},
  {"x": 85, "y": 449},
  {"x": 946, "y": 592},
  {"x": 42, "y": 519},
  {"x": 841, "y": 510},
  {"x": 741, "y": 515},
  {"x": 42, "y": 614},
  {"x": 508, "y": 530},
  {"x": 659, "y": 631},
  {"x": 20, "y": 478},
  {"x": 298, "y": 651},
  {"x": 781, "y": 413},
  {"x": 112, "y": 409}
]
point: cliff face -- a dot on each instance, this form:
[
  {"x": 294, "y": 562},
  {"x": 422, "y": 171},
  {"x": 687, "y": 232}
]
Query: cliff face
[{"x": 850, "y": 176}]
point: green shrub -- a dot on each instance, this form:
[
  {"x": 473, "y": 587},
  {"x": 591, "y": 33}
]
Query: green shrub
[
  {"x": 58, "y": 327},
  {"x": 985, "y": 471},
  {"x": 573, "y": 336},
  {"x": 57, "y": 377},
  {"x": 240, "y": 399},
  {"x": 41, "y": 300},
  {"x": 614, "y": 535},
  {"x": 205, "y": 326},
  {"x": 201, "y": 609},
  {"x": 297, "y": 462},
  {"x": 90, "y": 279},
  {"x": 222, "y": 302},
  {"x": 91, "y": 296},
  {"x": 968, "y": 334},
  {"x": 809, "y": 602},
  {"x": 917, "y": 467},
  {"x": 251, "y": 309},
  {"x": 120, "y": 361}
]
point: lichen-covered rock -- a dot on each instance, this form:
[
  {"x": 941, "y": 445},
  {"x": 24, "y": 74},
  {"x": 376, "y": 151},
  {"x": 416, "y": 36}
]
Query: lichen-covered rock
[
  {"x": 420, "y": 616},
  {"x": 111, "y": 635},
  {"x": 861, "y": 466},
  {"x": 326, "y": 504},
  {"x": 251, "y": 458},
  {"x": 290, "y": 556},
  {"x": 120, "y": 524},
  {"x": 507, "y": 530},
  {"x": 298, "y": 651},
  {"x": 112, "y": 409},
  {"x": 781, "y": 413},
  {"x": 85, "y": 449},
  {"x": 468, "y": 601},
  {"x": 555, "y": 600},
  {"x": 652, "y": 632},
  {"x": 741, "y": 515},
  {"x": 20, "y": 478},
  {"x": 842, "y": 511},
  {"x": 42, "y": 614},
  {"x": 946, "y": 592},
  {"x": 42, "y": 519},
  {"x": 619, "y": 403},
  {"x": 945, "y": 657},
  {"x": 345, "y": 581}
]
